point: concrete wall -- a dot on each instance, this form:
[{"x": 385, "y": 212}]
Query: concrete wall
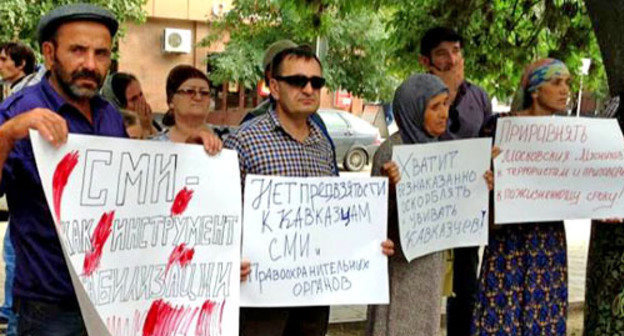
[
  {"x": 141, "y": 50},
  {"x": 197, "y": 10},
  {"x": 141, "y": 54}
]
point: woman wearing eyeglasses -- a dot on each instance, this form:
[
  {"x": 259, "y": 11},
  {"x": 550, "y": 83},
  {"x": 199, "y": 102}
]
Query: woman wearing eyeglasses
[{"x": 188, "y": 97}]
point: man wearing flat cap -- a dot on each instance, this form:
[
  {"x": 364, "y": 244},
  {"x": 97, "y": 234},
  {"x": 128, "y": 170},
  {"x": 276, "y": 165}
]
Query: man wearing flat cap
[{"x": 76, "y": 44}]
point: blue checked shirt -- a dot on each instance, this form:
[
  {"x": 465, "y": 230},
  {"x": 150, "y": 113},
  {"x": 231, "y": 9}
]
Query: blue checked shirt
[{"x": 265, "y": 148}]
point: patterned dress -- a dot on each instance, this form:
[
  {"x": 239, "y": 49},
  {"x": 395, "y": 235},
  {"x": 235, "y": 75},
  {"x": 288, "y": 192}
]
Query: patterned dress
[
  {"x": 604, "y": 288},
  {"x": 523, "y": 280}
]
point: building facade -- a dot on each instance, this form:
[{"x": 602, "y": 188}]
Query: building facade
[{"x": 171, "y": 36}]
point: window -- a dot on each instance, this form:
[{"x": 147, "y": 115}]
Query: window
[{"x": 333, "y": 121}]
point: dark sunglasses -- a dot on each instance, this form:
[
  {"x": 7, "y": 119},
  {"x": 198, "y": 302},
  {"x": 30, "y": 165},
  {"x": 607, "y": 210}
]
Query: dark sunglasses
[
  {"x": 301, "y": 81},
  {"x": 192, "y": 92}
]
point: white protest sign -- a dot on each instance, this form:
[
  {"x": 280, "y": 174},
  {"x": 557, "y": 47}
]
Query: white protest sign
[
  {"x": 555, "y": 168},
  {"x": 315, "y": 241},
  {"x": 442, "y": 198},
  {"x": 150, "y": 232}
]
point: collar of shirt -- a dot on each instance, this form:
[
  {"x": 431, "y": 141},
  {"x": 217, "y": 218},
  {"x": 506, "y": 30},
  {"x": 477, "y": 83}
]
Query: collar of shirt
[
  {"x": 17, "y": 82},
  {"x": 59, "y": 104},
  {"x": 461, "y": 92},
  {"x": 314, "y": 137},
  {"x": 32, "y": 228}
]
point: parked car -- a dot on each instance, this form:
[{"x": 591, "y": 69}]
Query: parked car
[{"x": 356, "y": 140}]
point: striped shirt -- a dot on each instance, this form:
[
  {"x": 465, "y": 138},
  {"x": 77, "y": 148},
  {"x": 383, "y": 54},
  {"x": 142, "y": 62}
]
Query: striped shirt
[{"x": 265, "y": 148}]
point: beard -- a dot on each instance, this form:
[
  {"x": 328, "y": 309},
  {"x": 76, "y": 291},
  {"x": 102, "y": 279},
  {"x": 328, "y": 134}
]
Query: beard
[{"x": 67, "y": 81}]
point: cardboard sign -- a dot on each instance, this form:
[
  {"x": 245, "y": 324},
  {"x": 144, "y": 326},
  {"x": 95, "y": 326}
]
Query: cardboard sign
[
  {"x": 315, "y": 241},
  {"x": 150, "y": 232},
  {"x": 442, "y": 198},
  {"x": 554, "y": 168}
]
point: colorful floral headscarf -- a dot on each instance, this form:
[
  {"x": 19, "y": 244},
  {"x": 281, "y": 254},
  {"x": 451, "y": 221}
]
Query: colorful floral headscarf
[
  {"x": 535, "y": 75},
  {"x": 542, "y": 71}
]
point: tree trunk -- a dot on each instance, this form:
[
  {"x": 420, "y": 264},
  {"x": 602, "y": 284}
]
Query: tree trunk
[
  {"x": 241, "y": 98},
  {"x": 224, "y": 98},
  {"x": 608, "y": 19}
]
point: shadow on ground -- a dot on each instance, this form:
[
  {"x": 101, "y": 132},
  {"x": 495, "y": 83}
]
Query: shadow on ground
[{"x": 575, "y": 326}]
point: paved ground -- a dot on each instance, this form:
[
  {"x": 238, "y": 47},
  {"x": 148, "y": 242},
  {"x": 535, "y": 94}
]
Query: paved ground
[{"x": 575, "y": 327}]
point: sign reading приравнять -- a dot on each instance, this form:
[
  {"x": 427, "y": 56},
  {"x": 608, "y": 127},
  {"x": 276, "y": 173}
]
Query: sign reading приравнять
[
  {"x": 150, "y": 232},
  {"x": 315, "y": 241},
  {"x": 556, "y": 168},
  {"x": 442, "y": 198}
]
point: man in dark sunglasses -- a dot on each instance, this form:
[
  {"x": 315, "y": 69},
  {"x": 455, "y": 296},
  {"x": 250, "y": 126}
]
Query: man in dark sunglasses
[
  {"x": 441, "y": 53},
  {"x": 285, "y": 141},
  {"x": 273, "y": 50},
  {"x": 301, "y": 81}
]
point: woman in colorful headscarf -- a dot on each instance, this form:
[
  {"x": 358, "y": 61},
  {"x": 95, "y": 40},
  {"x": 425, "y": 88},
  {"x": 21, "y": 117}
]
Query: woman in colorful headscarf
[{"x": 523, "y": 280}]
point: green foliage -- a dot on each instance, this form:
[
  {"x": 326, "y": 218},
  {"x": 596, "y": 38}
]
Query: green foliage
[
  {"x": 20, "y": 17},
  {"x": 355, "y": 35},
  {"x": 501, "y": 38},
  {"x": 372, "y": 45}
]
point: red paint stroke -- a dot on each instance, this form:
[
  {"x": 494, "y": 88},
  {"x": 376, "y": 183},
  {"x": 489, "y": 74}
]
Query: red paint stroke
[
  {"x": 98, "y": 239},
  {"x": 164, "y": 319},
  {"x": 124, "y": 325},
  {"x": 59, "y": 180},
  {"x": 180, "y": 255},
  {"x": 205, "y": 321},
  {"x": 181, "y": 201},
  {"x": 221, "y": 317}
]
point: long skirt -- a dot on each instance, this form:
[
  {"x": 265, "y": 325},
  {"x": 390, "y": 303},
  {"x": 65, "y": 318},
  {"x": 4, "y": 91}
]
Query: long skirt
[{"x": 523, "y": 282}]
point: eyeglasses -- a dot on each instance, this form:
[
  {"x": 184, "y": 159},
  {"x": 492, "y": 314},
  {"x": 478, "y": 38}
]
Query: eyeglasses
[
  {"x": 203, "y": 94},
  {"x": 301, "y": 81}
]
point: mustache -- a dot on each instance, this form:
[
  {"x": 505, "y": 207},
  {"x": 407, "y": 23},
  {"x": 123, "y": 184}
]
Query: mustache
[
  {"x": 87, "y": 74},
  {"x": 440, "y": 69}
]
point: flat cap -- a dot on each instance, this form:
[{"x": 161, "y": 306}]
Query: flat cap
[
  {"x": 274, "y": 49},
  {"x": 75, "y": 12}
]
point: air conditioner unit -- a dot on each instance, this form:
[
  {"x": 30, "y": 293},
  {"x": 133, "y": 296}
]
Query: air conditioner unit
[{"x": 177, "y": 41}]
